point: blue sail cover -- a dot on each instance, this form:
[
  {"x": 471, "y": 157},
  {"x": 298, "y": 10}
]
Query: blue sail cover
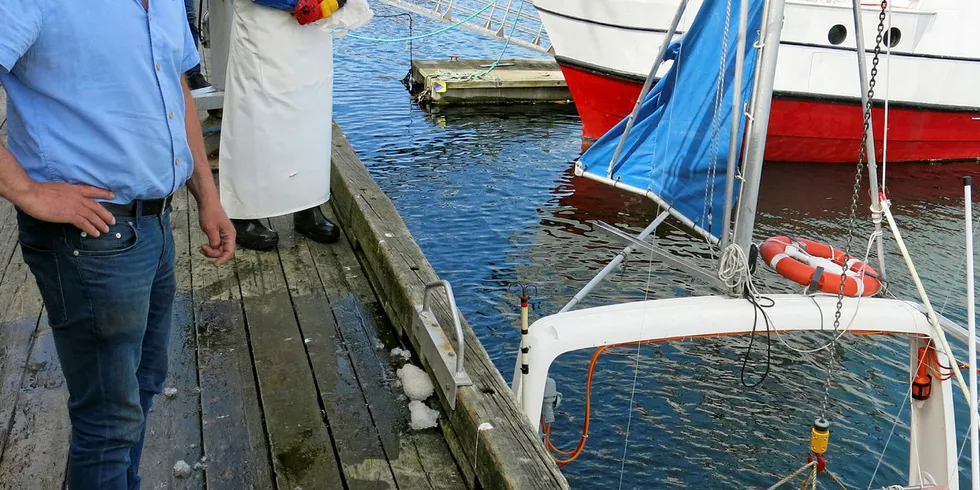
[{"x": 670, "y": 150}]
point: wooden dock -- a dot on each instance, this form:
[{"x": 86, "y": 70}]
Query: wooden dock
[
  {"x": 457, "y": 82},
  {"x": 281, "y": 367}
]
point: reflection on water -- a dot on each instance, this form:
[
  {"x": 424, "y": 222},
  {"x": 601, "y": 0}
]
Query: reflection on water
[{"x": 490, "y": 196}]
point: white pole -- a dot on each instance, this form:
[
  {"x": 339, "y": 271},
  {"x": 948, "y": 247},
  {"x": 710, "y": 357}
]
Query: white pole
[
  {"x": 972, "y": 340},
  {"x": 756, "y": 141},
  {"x": 647, "y": 84},
  {"x": 737, "y": 111},
  {"x": 652, "y": 227},
  {"x": 869, "y": 133},
  {"x": 930, "y": 311}
]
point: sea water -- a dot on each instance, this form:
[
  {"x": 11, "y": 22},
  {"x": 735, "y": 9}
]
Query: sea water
[{"x": 490, "y": 195}]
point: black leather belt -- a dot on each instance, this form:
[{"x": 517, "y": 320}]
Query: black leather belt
[{"x": 142, "y": 207}]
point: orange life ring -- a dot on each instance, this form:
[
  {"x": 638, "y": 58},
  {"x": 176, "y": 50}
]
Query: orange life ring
[{"x": 789, "y": 257}]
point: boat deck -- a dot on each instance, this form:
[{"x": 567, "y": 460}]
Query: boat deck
[{"x": 281, "y": 367}]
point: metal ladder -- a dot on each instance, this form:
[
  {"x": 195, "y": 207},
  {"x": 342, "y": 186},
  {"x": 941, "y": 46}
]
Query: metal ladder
[{"x": 435, "y": 348}]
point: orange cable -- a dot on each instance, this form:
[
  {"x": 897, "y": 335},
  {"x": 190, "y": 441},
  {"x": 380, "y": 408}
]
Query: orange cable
[{"x": 575, "y": 453}]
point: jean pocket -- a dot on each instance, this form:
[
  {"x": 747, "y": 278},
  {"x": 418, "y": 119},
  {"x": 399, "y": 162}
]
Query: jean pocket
[{"x": 120, "y": 238}]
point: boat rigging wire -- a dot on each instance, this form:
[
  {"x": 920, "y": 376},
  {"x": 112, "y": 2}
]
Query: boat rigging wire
[
  {"x": 709, "y": 183},
  {"x": 636, "y": 371}
]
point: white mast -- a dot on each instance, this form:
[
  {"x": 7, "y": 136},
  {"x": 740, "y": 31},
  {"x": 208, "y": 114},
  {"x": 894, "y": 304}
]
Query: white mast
[
  {"x": 869, "y": 134},
  {"x": 756, "y": 138},
  {"x": 971, "y": 322},
  {"x": 743, "y": 21}
]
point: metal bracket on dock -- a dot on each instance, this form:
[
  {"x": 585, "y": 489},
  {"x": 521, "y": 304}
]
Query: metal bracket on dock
[{"x": 435, "y": 348}]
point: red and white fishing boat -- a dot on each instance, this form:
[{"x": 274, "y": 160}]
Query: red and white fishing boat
[{"x": 607, "y": 47}]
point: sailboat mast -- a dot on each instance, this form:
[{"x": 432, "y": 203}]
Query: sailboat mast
[
  {"x": 648, "y": 83},
  {"x": 869, "y": 132},
  {"x": 756, "y": 138},
  {"x": 743, "y": 21}
]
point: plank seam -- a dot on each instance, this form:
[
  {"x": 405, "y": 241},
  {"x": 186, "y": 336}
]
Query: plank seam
[
  {"x": 197, "y": 340},
  {"x": 309, "y": 361},
  {"x": 255, "y": 376},
  {"x": 9, "y": 259},
  {"x": 361, "y": 259}
]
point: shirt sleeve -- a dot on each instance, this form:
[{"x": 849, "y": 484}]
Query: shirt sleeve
[
  {"x": 21, "y": 21},
  {"x": 191, "y": 56}
]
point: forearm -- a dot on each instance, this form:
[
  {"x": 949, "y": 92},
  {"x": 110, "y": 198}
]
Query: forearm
[
  {"x": 201, "y": 183},
  {"x": 14, "y": 181}
]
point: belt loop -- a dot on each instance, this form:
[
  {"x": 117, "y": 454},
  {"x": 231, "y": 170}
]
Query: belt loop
[{"x": 139, "y": 212}]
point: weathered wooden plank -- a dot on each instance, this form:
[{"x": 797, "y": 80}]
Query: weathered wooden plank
[
  {"x": 455, "y": 447},
  {"x": 36, "y": 455},
  {"x": 409, "y": 450},
  {"x": 8, "y": 235},
  {"x": 509, "y": 455},
  {"x": 362, "y": 458},
  {"x": 419, "y": 459},
  {"x": 20, "y": 308},
  {"x": 173, "y": 431},
  {"x": 235, "y": 441},
  {"x": 303, "y": 454}
]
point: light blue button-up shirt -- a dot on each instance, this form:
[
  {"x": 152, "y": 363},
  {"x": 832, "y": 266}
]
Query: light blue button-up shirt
[{"x": 94, "y": 94}]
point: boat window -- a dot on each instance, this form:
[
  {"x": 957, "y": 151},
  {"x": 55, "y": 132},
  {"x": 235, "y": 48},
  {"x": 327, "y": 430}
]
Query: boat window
[
  {"x": 837, "y": 35},
  {"x": 892, "y": 37}
]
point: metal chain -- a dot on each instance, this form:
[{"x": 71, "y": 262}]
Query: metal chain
[{"x": 862, "y": 153}]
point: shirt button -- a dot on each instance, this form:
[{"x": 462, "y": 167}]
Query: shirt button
[
  {"x": 171, "y": 115},
  {"x": 177, "y": 161},
  {"x": 158, "y": 66}
]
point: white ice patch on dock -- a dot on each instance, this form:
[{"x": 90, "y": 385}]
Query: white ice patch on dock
[
  {"x": 402, "y": 353},
  {"x": 415, "y": 382},
  {"x": 182, "y": 469},
  {"x": 423, "y": 417}
]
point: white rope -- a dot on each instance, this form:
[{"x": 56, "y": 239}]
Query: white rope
[
  {"x": 836, "y": 479},
  {"x": 733, "y": 270},
  {"x": 931, "y": 313},
  {"x": 812, "y": 464}
]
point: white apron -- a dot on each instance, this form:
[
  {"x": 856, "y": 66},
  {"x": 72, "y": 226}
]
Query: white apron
[{"x": 278, "y": 111}]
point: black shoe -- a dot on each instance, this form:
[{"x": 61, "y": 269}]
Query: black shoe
[
  {"x": 312, "y": 224},
  {"x": 254, "y": 235},
  {"x": 197, "y": 81}
]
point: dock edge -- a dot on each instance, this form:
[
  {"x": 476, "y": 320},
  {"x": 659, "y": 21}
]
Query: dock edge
[{"x": 507, "y": 453}]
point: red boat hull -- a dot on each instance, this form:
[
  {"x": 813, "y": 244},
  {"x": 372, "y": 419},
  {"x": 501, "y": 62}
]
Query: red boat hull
[{"x": 801, "y": 130}]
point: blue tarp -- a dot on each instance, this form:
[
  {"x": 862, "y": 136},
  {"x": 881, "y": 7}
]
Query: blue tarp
[{"x": 669, "y": 150}]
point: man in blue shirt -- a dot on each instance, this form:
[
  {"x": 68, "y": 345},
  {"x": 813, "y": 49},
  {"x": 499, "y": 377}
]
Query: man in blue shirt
[{"x": 102, "y": 131}]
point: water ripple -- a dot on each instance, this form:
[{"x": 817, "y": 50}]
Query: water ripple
[{"x": 492, "y": 200}]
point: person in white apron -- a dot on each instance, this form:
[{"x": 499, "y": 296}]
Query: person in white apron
[{"x": 276, "y": 127}]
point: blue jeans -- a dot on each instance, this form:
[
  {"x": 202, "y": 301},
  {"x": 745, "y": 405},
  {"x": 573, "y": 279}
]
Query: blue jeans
[
  {"x": 192, "y": 21},
  {"x": 109, "y": 302}
]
